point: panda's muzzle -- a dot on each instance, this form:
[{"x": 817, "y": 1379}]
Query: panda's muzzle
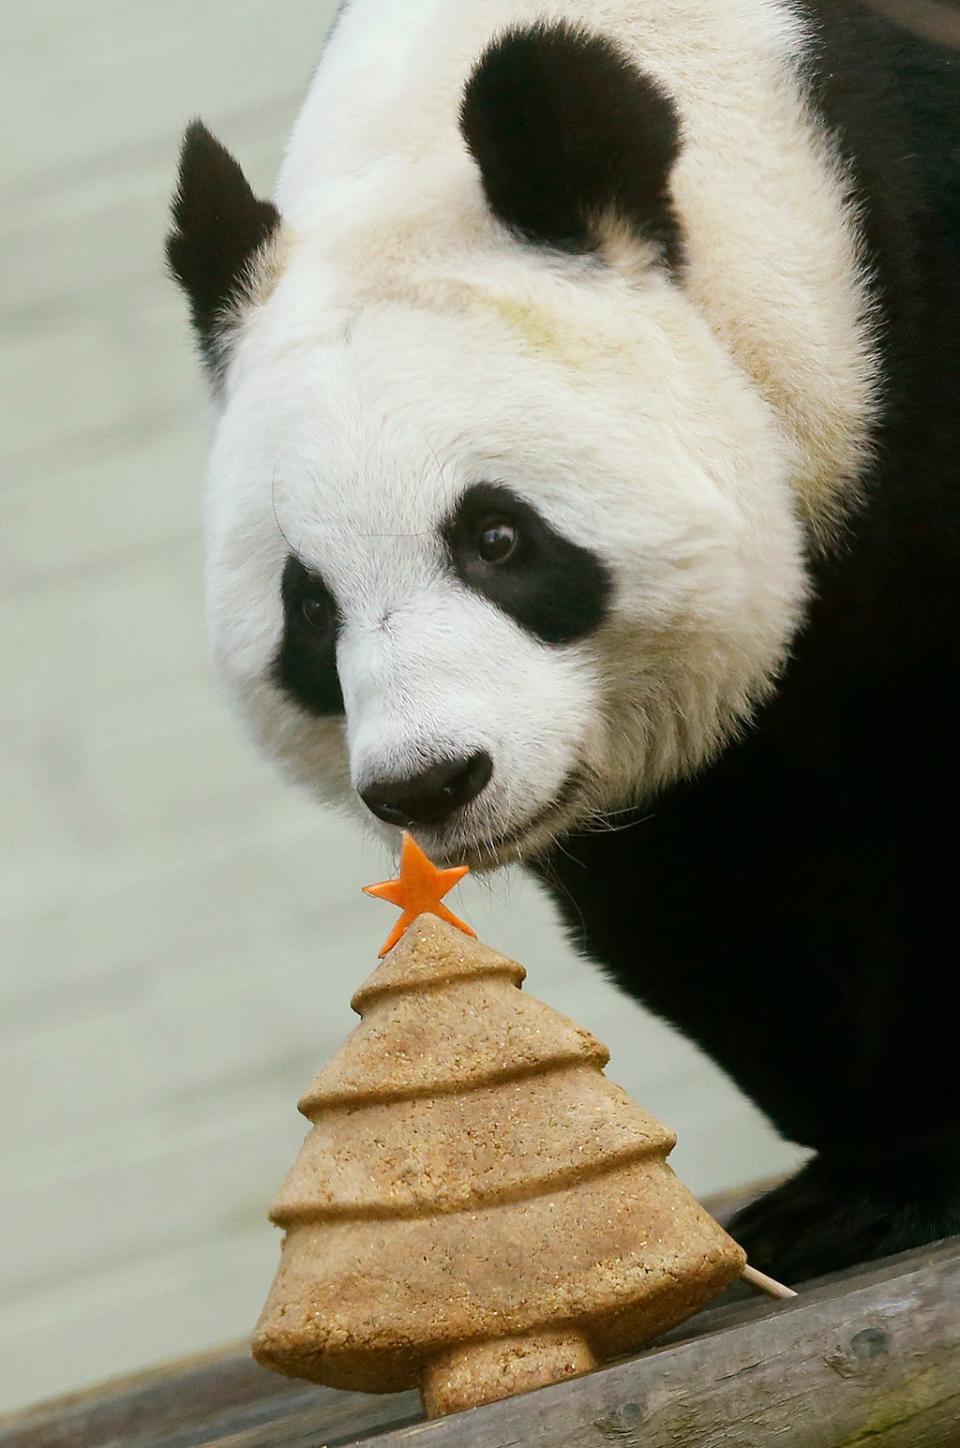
[{"x": 431, "y": 798}]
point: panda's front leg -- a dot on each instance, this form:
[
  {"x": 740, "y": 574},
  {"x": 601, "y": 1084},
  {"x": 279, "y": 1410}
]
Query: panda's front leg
[{"x": 848, "y": 1208}]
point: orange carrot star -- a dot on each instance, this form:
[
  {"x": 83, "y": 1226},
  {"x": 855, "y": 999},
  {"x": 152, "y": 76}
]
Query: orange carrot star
[{"x": 419, "y": 891}]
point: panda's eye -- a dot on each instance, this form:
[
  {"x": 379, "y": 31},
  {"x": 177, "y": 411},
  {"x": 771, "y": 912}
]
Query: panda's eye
[
  {"x": 504, "y": 550},
  {"x": 316, "y": 612},
  {"x": 497, "y": 540}
]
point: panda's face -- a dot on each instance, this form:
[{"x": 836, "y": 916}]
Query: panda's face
[{"x": 492, "y": 553}]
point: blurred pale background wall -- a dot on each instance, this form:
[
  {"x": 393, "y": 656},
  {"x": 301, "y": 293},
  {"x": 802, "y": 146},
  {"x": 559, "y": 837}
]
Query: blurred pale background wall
[{"x": 180, "y": 931}]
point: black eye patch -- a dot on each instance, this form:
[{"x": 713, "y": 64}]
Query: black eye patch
[
  {"x": 306, "y": 663},
  {"x": 551, "y": 586}
]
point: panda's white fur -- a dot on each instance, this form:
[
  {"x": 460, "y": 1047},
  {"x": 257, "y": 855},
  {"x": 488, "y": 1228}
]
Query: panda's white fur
[{"x": 405, "y": 345}]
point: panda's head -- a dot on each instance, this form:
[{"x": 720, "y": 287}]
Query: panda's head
[{"x": 499, "y": 536}]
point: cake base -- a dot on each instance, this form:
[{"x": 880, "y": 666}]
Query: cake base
[{"x": 483, "y": 1372}]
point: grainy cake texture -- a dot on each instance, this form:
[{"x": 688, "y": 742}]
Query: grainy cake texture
[{"x": 477, "y": 1209}]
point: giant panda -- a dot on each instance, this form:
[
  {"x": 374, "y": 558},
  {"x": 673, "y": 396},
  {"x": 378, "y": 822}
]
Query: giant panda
[{"x": 584, "y": 492}]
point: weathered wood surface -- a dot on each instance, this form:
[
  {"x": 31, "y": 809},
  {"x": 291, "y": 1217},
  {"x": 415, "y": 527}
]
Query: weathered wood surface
[
  {"x": 869, "y": 1358},
  {"x": 222, "y": 1398}
]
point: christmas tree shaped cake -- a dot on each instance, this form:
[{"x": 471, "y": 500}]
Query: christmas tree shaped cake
[{"x": 477, "y": 1209}]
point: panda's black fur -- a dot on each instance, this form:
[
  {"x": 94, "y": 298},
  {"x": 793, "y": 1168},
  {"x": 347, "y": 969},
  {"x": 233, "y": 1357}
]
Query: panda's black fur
[
  {"x": 564, "y": 127},
  {"x": 219, "y": 227},
  {"x": 794, "y": 908}
]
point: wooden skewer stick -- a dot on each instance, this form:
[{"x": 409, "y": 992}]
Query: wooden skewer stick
[{"x": 763, "y": 1283}]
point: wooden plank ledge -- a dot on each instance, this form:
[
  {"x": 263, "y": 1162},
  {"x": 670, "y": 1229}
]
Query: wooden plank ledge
[{"x": 863, "y": 1359}]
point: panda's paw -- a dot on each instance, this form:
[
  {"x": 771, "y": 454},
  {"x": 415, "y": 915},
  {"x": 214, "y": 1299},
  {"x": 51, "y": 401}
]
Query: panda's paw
[{"x": 823, "y": 1220}]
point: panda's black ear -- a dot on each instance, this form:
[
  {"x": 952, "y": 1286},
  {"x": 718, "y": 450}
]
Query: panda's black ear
[
  {"x": 218, "y": 228},
  {"x": 566, "y": 131}
]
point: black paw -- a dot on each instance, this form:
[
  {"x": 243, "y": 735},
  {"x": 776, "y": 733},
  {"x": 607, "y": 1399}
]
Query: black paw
[{"x": 823, "y": 1220}]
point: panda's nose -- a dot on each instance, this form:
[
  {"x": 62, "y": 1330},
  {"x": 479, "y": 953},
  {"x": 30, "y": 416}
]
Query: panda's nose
[{"x": 432, "y": 797}]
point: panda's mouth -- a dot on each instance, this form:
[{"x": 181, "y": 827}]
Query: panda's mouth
[{"x": 497, "y": 850}]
